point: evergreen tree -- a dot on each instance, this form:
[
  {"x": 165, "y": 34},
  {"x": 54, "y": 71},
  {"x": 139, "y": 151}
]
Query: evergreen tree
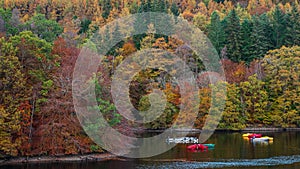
[
  {"x": 149, "y": 6},
  {"x": 278, "y": 23},
  {"x": 106, "y": 9},
  {"x": 2, "y": 24},
  {"x": 175, "y": 9},
  {"x": 293, "y": 27},
  {"x": 260, "y": 41},
  {"x": 10, "y": 21},
  {"x": 84, "y": 26},
  {"x": 216, "y": 32},
  {"x": 233, "y": 39},
  {"x": 148, "y": 41},
  {"x": 134, "y": 7},
  {"x": 163, "y": 6},
  {"x": 246, "y": 30},
  {"x": 43, "y": 28},
  {"x": 143, "y": 7}
]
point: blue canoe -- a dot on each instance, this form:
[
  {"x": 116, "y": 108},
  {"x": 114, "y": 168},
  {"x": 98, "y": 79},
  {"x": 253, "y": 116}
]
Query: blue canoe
[{"x": 210, "y": 145}]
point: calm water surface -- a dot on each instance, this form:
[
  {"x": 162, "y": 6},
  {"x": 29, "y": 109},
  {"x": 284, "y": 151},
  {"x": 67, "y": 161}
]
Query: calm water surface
[{"x": 231, "y": 152}]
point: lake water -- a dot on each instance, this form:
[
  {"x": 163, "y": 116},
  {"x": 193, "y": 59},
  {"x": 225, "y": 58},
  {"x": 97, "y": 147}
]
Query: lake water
[{"x": 231, "y": 152}]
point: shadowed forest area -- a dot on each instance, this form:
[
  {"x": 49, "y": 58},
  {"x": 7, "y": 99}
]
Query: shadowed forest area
[{"x": 40, "y": 40}]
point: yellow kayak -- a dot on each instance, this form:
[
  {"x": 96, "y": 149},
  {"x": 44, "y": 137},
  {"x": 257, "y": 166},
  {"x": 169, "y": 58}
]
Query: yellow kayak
[
  {"x": 246, "y": 135},
  {"x": 267, "y": 137}
]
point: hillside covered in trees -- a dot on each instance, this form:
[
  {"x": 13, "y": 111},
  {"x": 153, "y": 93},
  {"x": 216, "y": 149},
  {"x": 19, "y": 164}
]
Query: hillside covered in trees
[{"x": 257, "y": 40}]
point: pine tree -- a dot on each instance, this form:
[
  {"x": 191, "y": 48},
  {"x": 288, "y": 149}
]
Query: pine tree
[
  {"x": 2, "y": 24},
  {"x": 106, "y": 9},
  {"x": 84, "y": 26},
  {"x": 233, "y": 40},
  {"x": 163, "y": 6},
  {"x": 246, "y": 30},
  {"x": 216, "y": 32},
  {"x": 293, "y": 27},
  {"x": 260, "y": 40},
  {"x": 148, "y": 41},
  {"x": 143, "y": 7},
  {"x": 175, "y": 9},
  {"x": 278, "y": 23}
]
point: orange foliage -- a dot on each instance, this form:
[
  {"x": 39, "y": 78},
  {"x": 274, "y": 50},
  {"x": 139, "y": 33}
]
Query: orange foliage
[
  {"x": 128, "y": 48},
  {"x": 25, "y": 133},
  {"x": 188, "y": 16},
  {"x": 234, "y": 72},
  {"x": 172, "y": 93}
]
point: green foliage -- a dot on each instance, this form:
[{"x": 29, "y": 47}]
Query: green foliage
[
  {"x": 233, "y": 117},
  {"x": 233, "y": 37},
  {"x": 278, "y": 22},
  {"x": 84, "y": 26},
  {"x": 134, "y": 7},
  {"x": 216, "y": 32},
  {"x": 281, "y": 67},
  {"x": 107, "y": 109},
  {"x": 246, "y": 30},
  {"x": 46, "y": 86},
  {"x": 10, "y": 20},
  {"x": 255, "y": 100},
  {"x": 35, "y": 55},
  {"x": 106, "y": 8},
  {"x": 43, "y": 28},
  {"x": 175, "y": 9},
  {"x": 293, "y": 27},
  {"x": 164, "y": 120},
  {"x": 12, "y": 92},
  {"x": 95, "y": 148},
  {"x": 259, "y": 38},
  {"x": 200, "y": 21}
]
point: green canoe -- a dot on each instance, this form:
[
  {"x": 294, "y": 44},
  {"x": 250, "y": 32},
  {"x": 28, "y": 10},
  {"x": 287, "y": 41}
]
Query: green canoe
[{"x": 210, "y": 145}]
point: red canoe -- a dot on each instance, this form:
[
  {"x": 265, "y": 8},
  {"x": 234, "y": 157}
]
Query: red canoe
[
  {"x": 197, "y": 147},
  {"x": 254, "y": 136}
]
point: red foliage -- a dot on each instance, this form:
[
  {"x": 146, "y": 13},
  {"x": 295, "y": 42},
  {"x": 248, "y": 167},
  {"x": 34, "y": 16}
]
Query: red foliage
[
  {"x": 57, "y": 129},
  {"x": 259, "y": 10},
  {"x": 24, "y": 134},
  {"x": 234, "y": 72},
  {"x": 207, "y": 78},
  {"x": 239, "y": 72}
]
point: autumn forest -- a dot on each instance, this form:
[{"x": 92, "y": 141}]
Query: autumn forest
[{"x": 40, "y": 40}]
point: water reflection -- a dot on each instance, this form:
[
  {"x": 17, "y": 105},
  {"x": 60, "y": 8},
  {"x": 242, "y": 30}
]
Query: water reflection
[{"x": 231, "y": 151}]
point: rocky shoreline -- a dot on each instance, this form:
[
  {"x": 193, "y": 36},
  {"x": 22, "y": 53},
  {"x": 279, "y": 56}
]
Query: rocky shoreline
[{"x": 54, "y": 159}]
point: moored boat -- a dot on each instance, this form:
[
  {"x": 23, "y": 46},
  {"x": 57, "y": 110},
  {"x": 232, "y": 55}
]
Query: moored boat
[
  {"x": 259, "y": 139},
  {"x": 254, "y": 135},
  {"x": 197, "y": 147},
  {"x": 210, "y": 145},
  {"x": 246, "y": 134},
  {"x": 269, "y": 138}
]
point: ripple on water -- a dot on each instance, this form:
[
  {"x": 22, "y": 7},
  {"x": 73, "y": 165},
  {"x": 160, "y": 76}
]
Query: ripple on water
[{"x": 273, "y": 161}]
